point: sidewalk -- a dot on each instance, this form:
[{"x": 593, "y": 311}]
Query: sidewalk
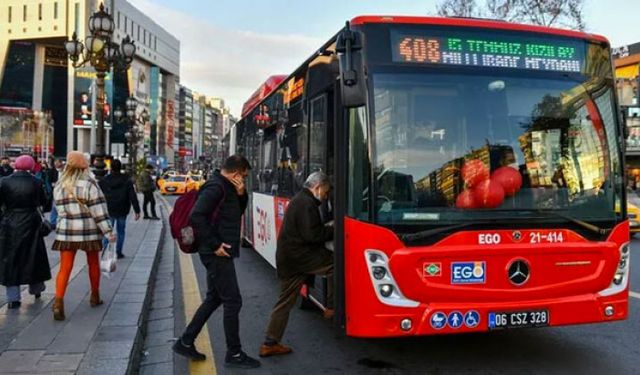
[{"x": 107, "y": 339}]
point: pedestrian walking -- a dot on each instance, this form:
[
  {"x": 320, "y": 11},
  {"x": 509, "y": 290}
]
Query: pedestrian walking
[
  {"x": 146, "y": 186},
  {"x": 300, "y": 251},
  {"x": 83, "y": 221},
  {"x": 120, "y": 194},
  {"x": 23, "y": 254},
  {"x": 218, "y": 242},
  {"x": 5, "y": 167}
]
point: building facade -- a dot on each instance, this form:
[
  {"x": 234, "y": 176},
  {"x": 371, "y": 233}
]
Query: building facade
[
  {"x": 35, "y": 74},
  {"x": 627, "y": 65}
]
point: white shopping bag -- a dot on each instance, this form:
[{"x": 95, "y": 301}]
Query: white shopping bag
[{"x": 108, "y": 260}]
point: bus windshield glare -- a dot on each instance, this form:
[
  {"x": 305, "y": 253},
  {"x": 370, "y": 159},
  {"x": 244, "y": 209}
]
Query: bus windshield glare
[{"x": 456, "y": 142}]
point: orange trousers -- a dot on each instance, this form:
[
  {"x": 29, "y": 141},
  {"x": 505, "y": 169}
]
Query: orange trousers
[{"x": 67, "y": 257}]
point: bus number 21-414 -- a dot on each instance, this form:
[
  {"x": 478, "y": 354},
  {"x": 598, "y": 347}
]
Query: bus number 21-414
[{"x": 550, "y": 237}]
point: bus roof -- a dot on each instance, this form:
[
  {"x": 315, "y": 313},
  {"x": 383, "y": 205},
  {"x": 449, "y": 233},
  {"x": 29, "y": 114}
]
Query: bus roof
[
  {"x": 262, "y": 92},
  {"x": 476, "y": 22}
]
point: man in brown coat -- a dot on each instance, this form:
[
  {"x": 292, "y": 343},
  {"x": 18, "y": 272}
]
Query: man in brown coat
[{"x": 301, "y": 251}]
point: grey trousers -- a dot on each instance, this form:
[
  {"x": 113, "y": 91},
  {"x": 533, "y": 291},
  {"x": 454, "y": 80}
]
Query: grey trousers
[{"x": 289, "y": 290}]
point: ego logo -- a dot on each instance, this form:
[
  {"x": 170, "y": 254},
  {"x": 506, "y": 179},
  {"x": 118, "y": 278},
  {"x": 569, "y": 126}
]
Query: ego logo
[
  {"x": 262, "y": 219},
  {"x": 468, "y": 272},
  {"x": 489, "y": 239}
]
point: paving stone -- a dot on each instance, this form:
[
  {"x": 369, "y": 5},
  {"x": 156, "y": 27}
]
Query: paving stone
[
  {"x": 115, "y": 333},
  {"x": 156, "y": 314},
  {"x": 59, "y": 362},
  {"x": 162, "y": 303},
  {"x": 158, "y": 354},
  {"x": 165, "y": 368},
  {"x": 160, "y": 338},
  {"x": 127, "y": 289},
  {"x": 160, "y": 325},
  {"x": 123, "y": 314},
  {"x": 130, "y": 297},
  {"x": 104, "y": 366},
  {"x": 20, "y": 360},
  {"x": 109, "y": 350}
]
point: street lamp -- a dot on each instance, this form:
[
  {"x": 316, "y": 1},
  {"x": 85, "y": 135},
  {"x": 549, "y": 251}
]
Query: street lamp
[
  {"x": 102, "y": 54},
  {"x": 134, "y": 132}
]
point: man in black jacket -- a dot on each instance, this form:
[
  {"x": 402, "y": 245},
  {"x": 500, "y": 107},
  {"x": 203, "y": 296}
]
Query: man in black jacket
[
  {"x": 301, "y": 251},
  {"x": 216, "y": 219},
  {"x": 5, "y": 167},
  {"x": 120, "y": 195}
]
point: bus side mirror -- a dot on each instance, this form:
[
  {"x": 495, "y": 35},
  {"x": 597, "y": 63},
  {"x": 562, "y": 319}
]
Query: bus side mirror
[{"x": 352, "y": 79}]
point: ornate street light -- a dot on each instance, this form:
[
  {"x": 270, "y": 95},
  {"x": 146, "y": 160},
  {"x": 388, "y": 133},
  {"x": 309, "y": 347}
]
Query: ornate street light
[
  {"x": 102, "y": 54},
  {"x": 128, "y": 115}
]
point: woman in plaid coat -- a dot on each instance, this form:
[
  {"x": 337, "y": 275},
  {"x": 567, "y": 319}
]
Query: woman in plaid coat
[{"x": 83, "y": 220}]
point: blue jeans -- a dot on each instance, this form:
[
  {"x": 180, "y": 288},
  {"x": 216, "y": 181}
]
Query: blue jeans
[
  {"x": 13, "y": 292},
  {"x": 120, "y": 224}
]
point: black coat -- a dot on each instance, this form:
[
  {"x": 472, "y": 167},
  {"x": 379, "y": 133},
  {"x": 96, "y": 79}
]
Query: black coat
[
  {"x": 23, "y": 256},
  {"x": 301, "y": 242},
  {"x": 225, "y": 228},
  {"x": 120, "y": 194},
  {"x": 5, "y": 171}
]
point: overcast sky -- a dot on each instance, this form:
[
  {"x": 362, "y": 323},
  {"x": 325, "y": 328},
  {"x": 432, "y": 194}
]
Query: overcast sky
[{"x": 229, "y": 47}]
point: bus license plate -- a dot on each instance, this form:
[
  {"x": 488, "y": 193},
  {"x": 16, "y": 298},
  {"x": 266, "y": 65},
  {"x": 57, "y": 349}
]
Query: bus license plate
[{"x": 518, "y": 319}]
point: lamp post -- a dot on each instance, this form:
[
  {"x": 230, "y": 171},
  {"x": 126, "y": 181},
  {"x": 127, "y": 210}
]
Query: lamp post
[
  {"x": 134, "y": 132},
  {"x": 102, "y": 54}
]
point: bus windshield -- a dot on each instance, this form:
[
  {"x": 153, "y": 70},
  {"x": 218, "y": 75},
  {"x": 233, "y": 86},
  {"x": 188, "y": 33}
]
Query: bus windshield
[{"x": 547, "y": 140}]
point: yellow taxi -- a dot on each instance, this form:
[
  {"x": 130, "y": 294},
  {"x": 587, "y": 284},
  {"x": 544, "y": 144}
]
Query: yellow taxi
[
  {"x": 633, "y": 212},
  {"x": 198, "y": 180},
  {"x": 177, "y": 184}
]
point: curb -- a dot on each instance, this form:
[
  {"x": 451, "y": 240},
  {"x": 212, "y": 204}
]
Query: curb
[{"x": 135, "y": 356}]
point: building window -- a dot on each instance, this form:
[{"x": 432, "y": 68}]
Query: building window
[
  {"x": 144, "y": 37},
  {"x": 24, "y": 13},
  {"x": 40, "y": 12},
  {"x": 55, "y": 10},
  {"x": 126, "y": 21},
  {"x": 9, "y": 14},
  {"x": 155, "y": 43},
  {"x": 118, "y": 20},
  {"x": 138, "y": 33}
]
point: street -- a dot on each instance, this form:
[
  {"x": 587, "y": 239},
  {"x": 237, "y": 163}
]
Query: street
[{"x": 319, "y": 349}]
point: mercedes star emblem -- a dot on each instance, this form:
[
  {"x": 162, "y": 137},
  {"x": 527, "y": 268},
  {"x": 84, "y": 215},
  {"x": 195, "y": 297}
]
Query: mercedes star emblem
[{"x": 518, "y": 272}]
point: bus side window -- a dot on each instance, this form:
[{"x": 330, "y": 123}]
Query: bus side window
[
  {"x": 318, "y": 138},
  {"x": 293, "y": 159}
]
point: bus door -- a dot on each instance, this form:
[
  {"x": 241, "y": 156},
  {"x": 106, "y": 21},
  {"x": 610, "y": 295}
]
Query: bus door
[{"x": 321, "y": 158}]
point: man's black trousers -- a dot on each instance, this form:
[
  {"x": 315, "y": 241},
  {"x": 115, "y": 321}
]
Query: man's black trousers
[
  {"x": 222, "y": 289},
  {"x": 149, "y": 199}
]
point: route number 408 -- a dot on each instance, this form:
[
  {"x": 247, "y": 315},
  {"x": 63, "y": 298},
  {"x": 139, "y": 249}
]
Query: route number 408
[{"x": 551, "y": 237}]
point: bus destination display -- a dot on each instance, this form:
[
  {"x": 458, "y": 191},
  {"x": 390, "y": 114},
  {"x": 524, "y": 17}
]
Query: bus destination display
[{"x": 528, "y": 53}]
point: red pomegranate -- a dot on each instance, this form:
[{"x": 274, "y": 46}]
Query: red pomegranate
[
  {"x": 466, "y": 200},
  {"x": 489, "y": 194},
  {"x": 473, "y": 172},
  {"x": 509, "y": 178}
]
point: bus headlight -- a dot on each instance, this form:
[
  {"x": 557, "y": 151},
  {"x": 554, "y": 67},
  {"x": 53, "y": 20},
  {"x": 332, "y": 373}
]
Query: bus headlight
[
  {"x": 621, "y": 277},
  {"x": 384, "y": 284},
  {"x": 379, "y": 272}
]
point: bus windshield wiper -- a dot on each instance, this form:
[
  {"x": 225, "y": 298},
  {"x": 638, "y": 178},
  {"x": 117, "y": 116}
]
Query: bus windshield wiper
[
  {"x": 593, "y": 228},
  {"x": 430, "y": 232}
]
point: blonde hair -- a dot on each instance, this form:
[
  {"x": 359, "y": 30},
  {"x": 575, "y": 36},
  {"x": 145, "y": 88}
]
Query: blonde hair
[{"x": 70, "y": 176}]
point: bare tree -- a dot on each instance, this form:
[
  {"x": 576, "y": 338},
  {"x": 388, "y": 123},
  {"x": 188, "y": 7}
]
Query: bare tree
[
  {"x": 458, "y": 8},
  {"x": 559, "y": 13}
]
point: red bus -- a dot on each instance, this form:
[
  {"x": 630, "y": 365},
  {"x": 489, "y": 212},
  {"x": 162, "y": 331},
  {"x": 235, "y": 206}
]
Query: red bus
[{"x": 477, "y": 169}]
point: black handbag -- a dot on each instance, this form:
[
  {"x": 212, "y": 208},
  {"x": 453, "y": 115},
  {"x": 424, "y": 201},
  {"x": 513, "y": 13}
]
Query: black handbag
[{"x": 45, "y": 225}]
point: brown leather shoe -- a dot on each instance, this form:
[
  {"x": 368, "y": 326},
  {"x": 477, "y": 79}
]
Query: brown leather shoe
[
  {"x": 328, "y": 313},
  {"x": 95, "y": 299},
  {"x": 58, "y": 309},
  {"x": 277, "y": 349}
]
